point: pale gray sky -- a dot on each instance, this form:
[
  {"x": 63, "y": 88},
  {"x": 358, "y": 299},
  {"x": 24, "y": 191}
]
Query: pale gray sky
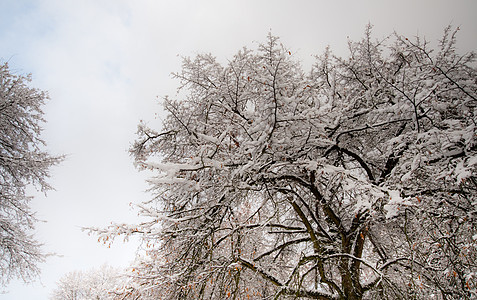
[{"x": 104, "y": 62}]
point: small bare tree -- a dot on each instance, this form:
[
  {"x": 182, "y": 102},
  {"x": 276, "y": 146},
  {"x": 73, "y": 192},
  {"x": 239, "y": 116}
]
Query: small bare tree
[
  {"x": 101, "y": 283},
  {"x": 23, "y": 163}
]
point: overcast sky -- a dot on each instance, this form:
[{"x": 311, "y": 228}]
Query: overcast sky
[{"x": 105, "y": 63}]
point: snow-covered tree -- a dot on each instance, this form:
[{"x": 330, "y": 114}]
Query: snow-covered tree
[
  {"x": 23, "y": 163},
  {"x": 356, "y": 181},
  {"x": 102, "y": 283}
]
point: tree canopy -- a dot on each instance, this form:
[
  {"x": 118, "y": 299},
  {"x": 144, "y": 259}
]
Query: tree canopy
[
  {"x": 98, "y": 284},
  {"x": 354, "y": 181},
  {"x": 23, "y": 162}
]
